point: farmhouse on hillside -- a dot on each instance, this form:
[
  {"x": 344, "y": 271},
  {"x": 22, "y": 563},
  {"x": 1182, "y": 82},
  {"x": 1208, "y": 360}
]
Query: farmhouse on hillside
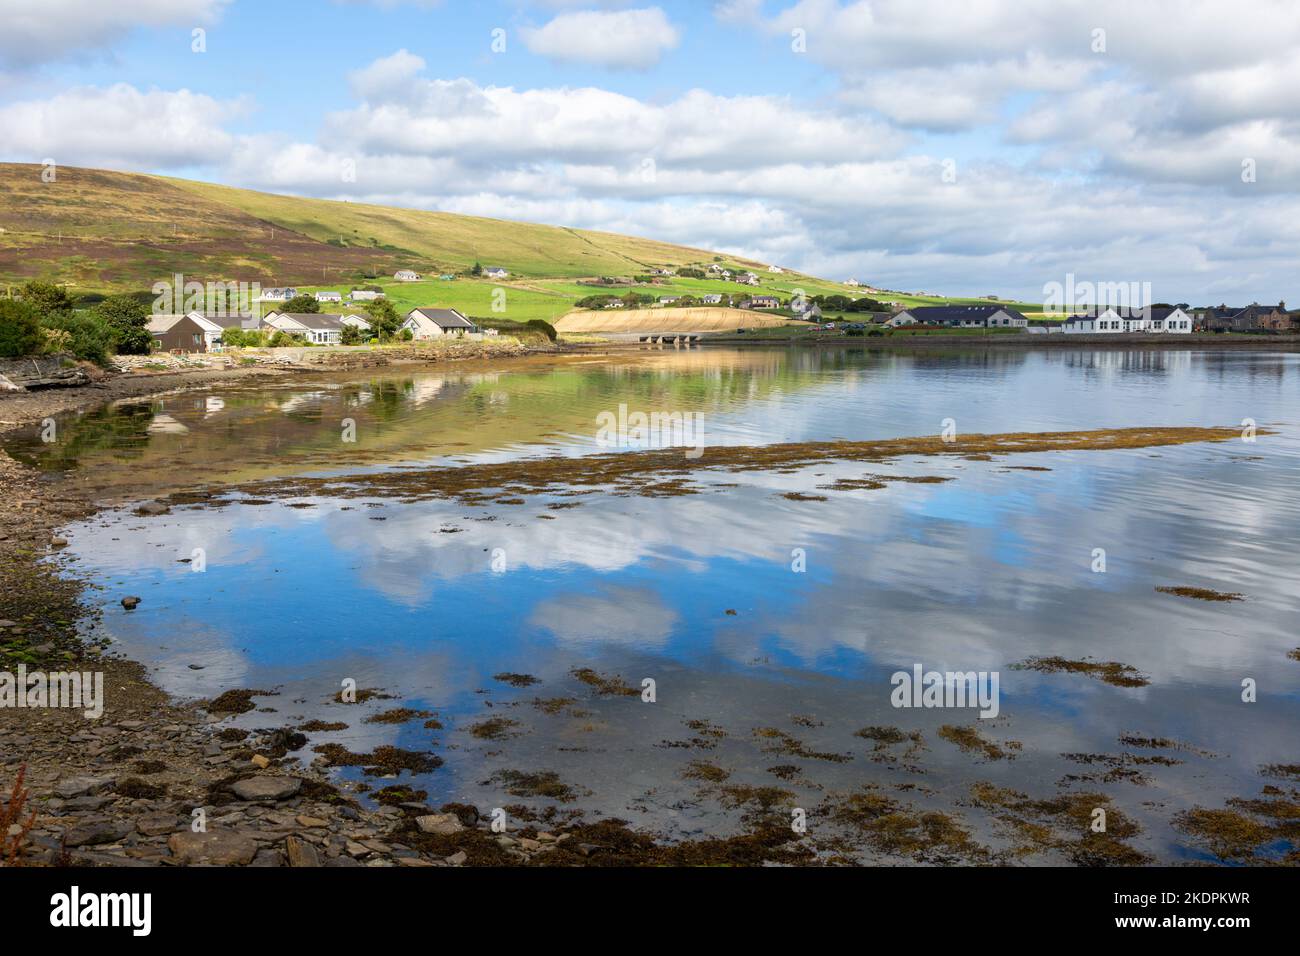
[
  {"x": 277, "y": 295},
  {"x": 761, "y": 302},
  {"x": 329, "y": 297},
  {"x": 429, "y": 323},
  {"x": 364, "y": 295},
  {"x": 495, "y": 272},
  {"x": 406, "y": 275}
]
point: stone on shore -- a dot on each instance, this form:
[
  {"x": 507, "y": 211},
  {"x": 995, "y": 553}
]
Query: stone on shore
[
  {"x": 266, "y": 788},
  {"x": 218, "y": 847},
  {"x": 442, "y": 824}
]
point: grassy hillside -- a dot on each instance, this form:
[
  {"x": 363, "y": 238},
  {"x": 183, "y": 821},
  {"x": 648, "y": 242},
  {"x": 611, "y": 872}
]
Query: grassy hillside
[{"x": 100, "y": 231}]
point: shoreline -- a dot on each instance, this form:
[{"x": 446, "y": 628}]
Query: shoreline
[{"x": 121, "y": 790}]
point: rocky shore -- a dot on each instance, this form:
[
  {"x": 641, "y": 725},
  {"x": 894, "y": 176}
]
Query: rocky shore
[{"x": 154, "y": 781}]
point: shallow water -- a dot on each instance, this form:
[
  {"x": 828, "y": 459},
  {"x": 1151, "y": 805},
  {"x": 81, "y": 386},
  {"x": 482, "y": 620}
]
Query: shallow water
[{"x": 429, "y": 600}]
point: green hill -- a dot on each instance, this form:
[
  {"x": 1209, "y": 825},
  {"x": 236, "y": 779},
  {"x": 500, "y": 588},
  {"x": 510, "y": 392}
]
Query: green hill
[{"x": 99, "y": 230}]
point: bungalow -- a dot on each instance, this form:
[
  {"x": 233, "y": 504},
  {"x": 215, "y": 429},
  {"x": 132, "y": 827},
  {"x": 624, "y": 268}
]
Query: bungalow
[
  {"x": 711, "y": 298},
  {"x": 615, "y": 304},
  {"x": 215, "y": 325},
  {"x": 496, "y": 272},
  {"x": 965, "y": 316},
  {"x": 176, "y": 333},
  {"x": 747, "y": 278},
  {"x": 406, "y": 275},
  {"x": 364, "y": 295},
  {"x": 1164, "y": 320},
  {"x": 278, "y": 295},
  {"x": 356, "y": 321},
  {"x": 319, "y": 328},
  {"x": 715, "y": 267},
  {"x": 851, "y": 282},
  {"x": 775, "y": 270},
  {"x": 329, "y": 297},
  {"x": 669, "y": 299},
  {"x": 430, "y": 323},
  {"x": 761, "y": 302}
]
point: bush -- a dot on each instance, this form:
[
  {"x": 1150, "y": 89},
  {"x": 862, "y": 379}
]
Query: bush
[
  {"x": 127, "y": 317},
  {"x": 47, "y": 298},
  {"x": 405, "y": 335},
  {"x": 87, "y": 336},
  {"x": 20, "y": 329},
  {"x": 544, "y": 327},
  {"x": 302, "y": 303}
]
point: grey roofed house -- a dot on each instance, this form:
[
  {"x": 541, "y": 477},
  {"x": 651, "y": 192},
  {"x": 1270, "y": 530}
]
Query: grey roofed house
[
  {"x": 317, "y": 321},
  {"x": 231, "y": 320},
  {"x": 968, "y": 315},
  {"x": 445, "y": 319}
]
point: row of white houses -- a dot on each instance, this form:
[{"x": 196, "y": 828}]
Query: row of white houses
[
  {"x": 203, "y": 332},
  {"x": 1108, "y": 321}
]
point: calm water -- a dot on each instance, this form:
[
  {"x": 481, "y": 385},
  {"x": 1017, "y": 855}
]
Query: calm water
[{"x": 429, "y": 600}]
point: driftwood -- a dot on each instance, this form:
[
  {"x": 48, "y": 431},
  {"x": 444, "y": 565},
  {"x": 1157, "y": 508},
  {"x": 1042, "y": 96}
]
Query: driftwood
[{"x": 52, "y": 371}]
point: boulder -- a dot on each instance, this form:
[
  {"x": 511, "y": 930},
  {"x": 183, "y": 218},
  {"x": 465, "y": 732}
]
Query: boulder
[
  {"x": 266, "y": 788},
  {"x": 443, "y": 824},
  {"x": 218, "y": 847}
]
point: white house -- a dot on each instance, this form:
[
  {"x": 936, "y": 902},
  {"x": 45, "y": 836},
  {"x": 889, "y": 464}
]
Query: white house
[
  {"x": 277, "y": 295},
  {"x": 319, "y": 328},
  {"x": 364, "y": 295},
  {"x": 711, "y": 298},
  {"x": 355, "y": 321},
  {"x": 1119, "y": 321},
  {"x": 1174, "y": 321},
  {"x": 495, "y": 272},
  {"x": 329, "y": 297},
  {"x": 747, "y": 278},
  {"x": 902, "y": 318},
  {"x": 775, "y": 270},
  {"x": 964, "y": 316},
  {"x": 406, "y": 275},
  {"x": 428, "y": 323},
  {"x": 852, "y": 282}
]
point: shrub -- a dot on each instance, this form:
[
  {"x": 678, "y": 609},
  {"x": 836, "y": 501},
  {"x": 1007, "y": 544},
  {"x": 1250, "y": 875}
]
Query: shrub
[
  {"x": 127, "y": 317},
  {"x": 88, "y": 336},
  {"x": 544, "y": 327},
  {"x": 48, "y": 299},
  {"x": 405, "y": 335},
  {"x": 20, "y": 329}
]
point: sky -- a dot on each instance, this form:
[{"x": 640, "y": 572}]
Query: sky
[{"x": 966, "y": 147}]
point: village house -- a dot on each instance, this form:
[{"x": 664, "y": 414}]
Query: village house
[
  {"x": 1162, "y": 319},
  {"x": 747, "y": 278},
  {"x": 669, "y": 299},
  {"x": 1251, "y": 318},
  {"x": 962, "y": 316},
  {"x": 406, "y": 275},
  {"x": 761, "y": 302},
  {"x": 215, "y": 325},
  {"x": 278, "y": 295},
  {"x": 319, "y": 328},
  {"x": 712, "y": 298},
  {"x": 430, "y": 323},
  {"x": 176, "y": 333},
  {"x": 364, "y": 295},
  {"x": 851, "y": 282},
  {"x": 329, "y": 297},
  {"x": 496, "y": 272},
  {"x": 775, "y": 270}
]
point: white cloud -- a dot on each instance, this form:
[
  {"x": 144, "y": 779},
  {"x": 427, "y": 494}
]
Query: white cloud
[
  {"x": 623, "y": 39},
  {"x": 120, "y": 127},
  {"x": 53, "y": 29}
]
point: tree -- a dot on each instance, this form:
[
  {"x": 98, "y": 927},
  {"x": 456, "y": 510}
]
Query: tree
[
  {"x": 352, "y": 335},
  {"x": 477, "y": 270},
  {"x": 127, "y": 318},
  {"x": 20, "y": 329},
  {"x": 47, "y": 298},
  {"x": 383, "y": 318},
  {"x": 302, "y": 303}
]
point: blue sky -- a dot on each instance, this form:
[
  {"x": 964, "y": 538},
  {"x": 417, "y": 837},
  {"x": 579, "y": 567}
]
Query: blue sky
[{"x": 922, "y": 145}]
